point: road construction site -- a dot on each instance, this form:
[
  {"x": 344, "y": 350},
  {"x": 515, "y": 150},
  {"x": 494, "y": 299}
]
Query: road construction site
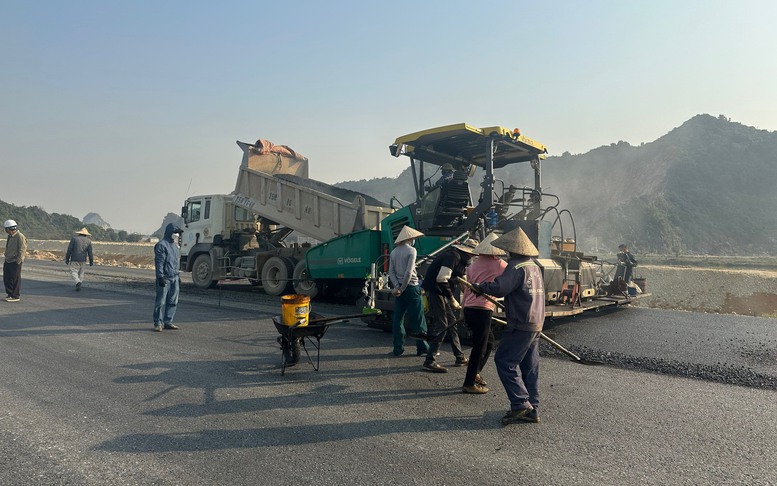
[{"x": 92, "y": 396}]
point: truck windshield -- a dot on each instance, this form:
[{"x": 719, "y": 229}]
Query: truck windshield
[{"x": 193, "y": 211}]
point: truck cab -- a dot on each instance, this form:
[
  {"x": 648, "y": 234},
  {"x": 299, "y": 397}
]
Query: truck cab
[{"x": 213, "y": 227}]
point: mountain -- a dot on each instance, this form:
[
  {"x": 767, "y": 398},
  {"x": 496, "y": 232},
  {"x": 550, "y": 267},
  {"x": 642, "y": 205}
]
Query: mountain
[
  {"x": 386, "y": 188},
  {"x": 706, "y": 187},
  {"x": 169, "y": 218},
  {"x": 95, "y": 219}
]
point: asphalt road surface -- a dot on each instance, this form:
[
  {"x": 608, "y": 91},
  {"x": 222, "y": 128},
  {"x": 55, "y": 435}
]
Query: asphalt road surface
[{"x": 90, "y": 395}]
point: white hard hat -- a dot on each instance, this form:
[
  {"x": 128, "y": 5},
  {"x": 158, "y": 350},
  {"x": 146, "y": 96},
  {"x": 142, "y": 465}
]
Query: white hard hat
[{"x": 9, "y": 223}]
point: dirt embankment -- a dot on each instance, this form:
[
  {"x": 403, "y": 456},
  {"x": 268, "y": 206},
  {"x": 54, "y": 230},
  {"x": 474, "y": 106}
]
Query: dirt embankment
[
  {"x": 131, "y": 255},
  {"x": 750, "y": 292}
]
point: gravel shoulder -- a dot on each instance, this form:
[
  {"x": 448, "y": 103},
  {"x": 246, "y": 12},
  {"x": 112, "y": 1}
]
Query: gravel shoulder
[{"x": 723, "y": 291}]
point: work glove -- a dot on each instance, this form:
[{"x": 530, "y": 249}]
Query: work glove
[
  {"x": 160, "y": 281},
  {"x": 476, "y": 289},
  {"x": 455, "y": 304}
]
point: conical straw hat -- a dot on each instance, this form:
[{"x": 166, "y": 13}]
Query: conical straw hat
[
  {"x": 467, "y": 246},
  {"x": 516, "y": 242},
  {"x": 83, "y": 231},
  {"x": 486, "y": 248},
  {"x": 407, "y": 233}
]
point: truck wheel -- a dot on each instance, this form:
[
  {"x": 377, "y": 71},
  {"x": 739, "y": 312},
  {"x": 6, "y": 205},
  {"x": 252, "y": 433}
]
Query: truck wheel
[
  {"x": 276, "y": 276},
  {"x": 301, "y": 283},
  {"x": 202, "y": 272}
]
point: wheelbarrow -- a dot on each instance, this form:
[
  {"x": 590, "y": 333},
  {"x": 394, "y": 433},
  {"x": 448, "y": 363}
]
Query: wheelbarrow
[{"x": 293, "y": 338}]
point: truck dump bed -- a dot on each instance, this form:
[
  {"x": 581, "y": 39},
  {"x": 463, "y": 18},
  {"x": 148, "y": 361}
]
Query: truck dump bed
[{"x": 275, "y": 186}]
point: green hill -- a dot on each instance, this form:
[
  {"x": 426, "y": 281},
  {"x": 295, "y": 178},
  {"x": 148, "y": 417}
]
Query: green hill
[{"x": 36, "y": 223}]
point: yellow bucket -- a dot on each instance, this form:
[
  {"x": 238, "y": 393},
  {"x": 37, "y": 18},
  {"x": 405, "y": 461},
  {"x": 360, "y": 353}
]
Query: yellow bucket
[{"x": 295, "y": 308}]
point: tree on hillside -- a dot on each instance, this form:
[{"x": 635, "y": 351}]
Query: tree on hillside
[{"x": 36, "y": 223}]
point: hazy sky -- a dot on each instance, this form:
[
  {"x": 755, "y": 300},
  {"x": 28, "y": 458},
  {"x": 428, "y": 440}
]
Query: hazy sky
[{"x": 122, "y": 107}]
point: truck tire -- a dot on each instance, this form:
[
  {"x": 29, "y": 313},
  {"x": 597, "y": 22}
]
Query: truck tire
[
  {"x": 276, "y": 276},
  {"x": 301, "y": 283},
  {"x": 202, "y": 272}
]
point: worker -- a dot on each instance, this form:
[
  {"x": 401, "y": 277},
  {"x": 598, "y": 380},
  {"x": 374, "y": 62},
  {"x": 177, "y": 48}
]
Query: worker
[
  {"x": 407, "y": 293},
  {"x": 15, "y": 253},
  {"x": 439, "y": 284},
  {"x": 478, "y": 310},
  {"x": 626, "y": 263},
  {"x": 168, "y": 282},
  {"x": 517, "y": 356},
  {"x": 78, "y": 252},
  {"x": 447, "y": 175}
]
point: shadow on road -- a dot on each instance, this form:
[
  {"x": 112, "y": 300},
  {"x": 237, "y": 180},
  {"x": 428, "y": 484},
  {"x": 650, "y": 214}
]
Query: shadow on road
[{"x": 286, "y": 436}]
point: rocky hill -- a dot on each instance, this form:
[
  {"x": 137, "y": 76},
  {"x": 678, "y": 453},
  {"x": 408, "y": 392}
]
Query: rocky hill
[
  {"x": 169, "y": 218},
  {"x": 706, "y": 187},
  {"x": 96, "y": 219}
]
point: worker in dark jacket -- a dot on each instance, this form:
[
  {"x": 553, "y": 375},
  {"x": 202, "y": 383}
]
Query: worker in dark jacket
[
  {"x": 626, "y": 263},
  {"x": 446, "y": 176},
  {"x": 166, "y": 263},
  {"x": 78, "y": 252},
  {"x": 15, "y": 253},
  {"x": 517, "y": 357},
  {"x": 439, "y": 284}
]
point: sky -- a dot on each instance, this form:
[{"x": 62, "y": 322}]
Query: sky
[{"x": 126, "y": 108}]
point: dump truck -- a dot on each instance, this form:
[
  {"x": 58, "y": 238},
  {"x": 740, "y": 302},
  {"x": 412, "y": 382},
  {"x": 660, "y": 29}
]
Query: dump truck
[
  {"x": 248, "y": 233},
  {"x": 243, "y": 235}
]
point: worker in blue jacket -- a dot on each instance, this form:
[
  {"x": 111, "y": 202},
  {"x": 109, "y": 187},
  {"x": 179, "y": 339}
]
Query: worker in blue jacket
[
  {"x": 517, "y": 357},
  {"x": 166, "y": 262}
]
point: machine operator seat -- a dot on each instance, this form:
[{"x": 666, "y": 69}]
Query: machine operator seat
[{"x": 454, "y": 199}]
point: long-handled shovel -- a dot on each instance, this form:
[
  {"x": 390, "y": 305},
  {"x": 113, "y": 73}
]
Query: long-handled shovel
[
  {"x": 432, "y": 337},
  {"x": 572, "y": 356},
  {"x": 338, "y": 318}
]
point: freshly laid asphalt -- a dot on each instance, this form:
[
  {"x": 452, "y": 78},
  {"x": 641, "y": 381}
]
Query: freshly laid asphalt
[{"x": 90, "y": 395}]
